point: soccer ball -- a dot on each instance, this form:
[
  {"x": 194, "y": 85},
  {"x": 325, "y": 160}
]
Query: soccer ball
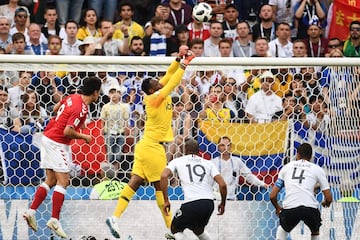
[{"x": 202, "y": 12}]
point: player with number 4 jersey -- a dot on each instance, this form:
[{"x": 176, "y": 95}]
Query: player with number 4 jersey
[
  {"x": 300, "y": 178},
  {"x": 55, "y": 151}
]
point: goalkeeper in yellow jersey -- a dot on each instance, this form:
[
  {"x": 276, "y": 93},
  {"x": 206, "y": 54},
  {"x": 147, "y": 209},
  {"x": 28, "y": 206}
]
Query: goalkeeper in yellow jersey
[{"x": 150, "y": 157}]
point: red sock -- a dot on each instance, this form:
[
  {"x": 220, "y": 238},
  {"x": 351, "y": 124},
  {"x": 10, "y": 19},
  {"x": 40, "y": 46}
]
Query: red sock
[
  {"x": 57, "y": 201},
  {"x": 40, "y": 196}
]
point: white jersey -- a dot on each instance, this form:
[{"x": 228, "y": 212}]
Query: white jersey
[
  {"x": 196, "y": 175},
  {"x": 230, "y": 170},
  {"x": 299, "y": 178}
]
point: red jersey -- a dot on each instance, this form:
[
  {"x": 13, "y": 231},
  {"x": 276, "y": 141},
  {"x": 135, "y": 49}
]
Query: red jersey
[
  {"x": 203, "y": 33},
  {"x": 72, "y": 112}
]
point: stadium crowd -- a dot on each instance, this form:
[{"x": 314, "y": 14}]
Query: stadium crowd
[{"x": 251, "y": 28}]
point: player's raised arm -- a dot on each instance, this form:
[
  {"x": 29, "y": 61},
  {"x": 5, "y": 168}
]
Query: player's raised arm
[
  {"x": 174, "y": 65},
  {"x": 175, "y": 79}
]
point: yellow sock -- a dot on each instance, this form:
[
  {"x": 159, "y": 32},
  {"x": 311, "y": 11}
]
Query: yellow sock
[
  {"x": 126, "y": 195},
  {"x": 160, "y": 202}
]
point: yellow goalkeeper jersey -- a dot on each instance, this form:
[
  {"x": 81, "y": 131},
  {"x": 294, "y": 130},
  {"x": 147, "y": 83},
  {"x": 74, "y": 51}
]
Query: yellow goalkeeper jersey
[{"x": 158, "y": 107}]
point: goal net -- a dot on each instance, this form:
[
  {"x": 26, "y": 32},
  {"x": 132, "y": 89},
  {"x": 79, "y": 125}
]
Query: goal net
[{"x": 312, "y": 101}]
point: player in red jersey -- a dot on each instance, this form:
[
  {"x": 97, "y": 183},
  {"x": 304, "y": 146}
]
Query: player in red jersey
[{"x": 55, "y": 150}]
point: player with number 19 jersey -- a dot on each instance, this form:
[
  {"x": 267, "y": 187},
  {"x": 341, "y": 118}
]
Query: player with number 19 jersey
[
  {"x": 299, "y": 178},
  {"x": 197, "y": 176},
  {"x": 72, "y": 112}
]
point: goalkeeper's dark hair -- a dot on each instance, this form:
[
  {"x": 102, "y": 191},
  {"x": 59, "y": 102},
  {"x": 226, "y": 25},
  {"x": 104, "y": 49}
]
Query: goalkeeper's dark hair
[
  {"x": 305, "y": 151},
  {"x": 146, "y": 85},
  {"x": 90, "y": 85}
]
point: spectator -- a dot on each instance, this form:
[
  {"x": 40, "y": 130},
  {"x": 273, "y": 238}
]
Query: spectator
[
  {"x": 317, "y": 120},
  {"x": 232, "y": 168},
  {"x": 197, "y": 47},
  {"x": 136, "y": 46},
  {"x": 181, "y": 126},
  {"x": 335, "y": 52},
  {"x": 198, "y": 30},
  {"x": 126, "y": 14},
  {"x": 106, "y": 82},
  {"x": 266, "y": 27},
  {"x": 108, "y": 188},
  {"x": 19, "y": 89},
  {"x": 171, "y": 40},
  {"x": 352, "y": 44},
  {"x": 283, "y": 79},
  {"x": 19, "y": 45},
  {"x": 54, "y": 45},
  {"x": 5, "y": 36},
  {"x": 115, "y": 115},
  {"x": 304, "y": 12},
  {"x": 157, "y": 39},
  {"x": 281, "y": 46},
  {"x": 70, "y": 44},
  {"x": 292, "y": 110},
  {"x": 316, "y": 45},
  {"x": 144, "y": 10},
  {"x": 9, "y": 11},
  {"x": 298, "y": 91},
  {"x": 284, "y": 12},
  {"x": 37, "y": 40},
  {"x": 88, "y": 25},
  {"x": 218, "y": 9},
  {"x": 299, "y": 48},
  {"x": 180, "y": 13},
  {"x": 261, "y": 48},
  {"x": 105, "y": 9},
  {"x": 20, "y": 19},
  {"x": 225, "y": 48},
  {"x": 71, "y": 83},
  {"x": 51, "y": 26},
  {"x": 233, "y": 100},
  {"x": 89, "y": 47},
  {"x": 69, "y": 10},
  {"x": 6, "y": 115},
  {"x": 202, "y": 80},
  {"x": 214, "y": 106},
  {"x": 243, "y": 47},
  {"x": 163, "y": 11},
  {"x": 249, "y": 10},
  {"x": 32, "y": 116},
  {"x": 264, "y": 105},
  {"x": 211, "y": 45},
  {"x": 334, "y": 43},
  {"x": 229, "y": 24},
  {"x": 110, "y": 46},
  {"x": 48, "y": 86},
  {"x": 136, "y": 121},
  {"x": 182, "y": 35},
  {"x": 311, "y": 81}
]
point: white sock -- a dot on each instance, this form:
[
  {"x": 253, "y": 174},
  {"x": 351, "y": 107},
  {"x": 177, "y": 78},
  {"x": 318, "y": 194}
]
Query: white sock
[
  {"x": 204, "y": 236},
  {"x": 179, "y": 236},
  {"x": 281, "y": 234},
  {"x": 315, "y": 237}
]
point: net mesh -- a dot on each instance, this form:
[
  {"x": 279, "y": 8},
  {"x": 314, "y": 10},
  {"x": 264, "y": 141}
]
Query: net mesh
[{"x": 315, "y": 104}]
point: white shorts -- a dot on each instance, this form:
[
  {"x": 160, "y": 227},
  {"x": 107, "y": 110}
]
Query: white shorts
[{"x": 55, "y": 156}]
